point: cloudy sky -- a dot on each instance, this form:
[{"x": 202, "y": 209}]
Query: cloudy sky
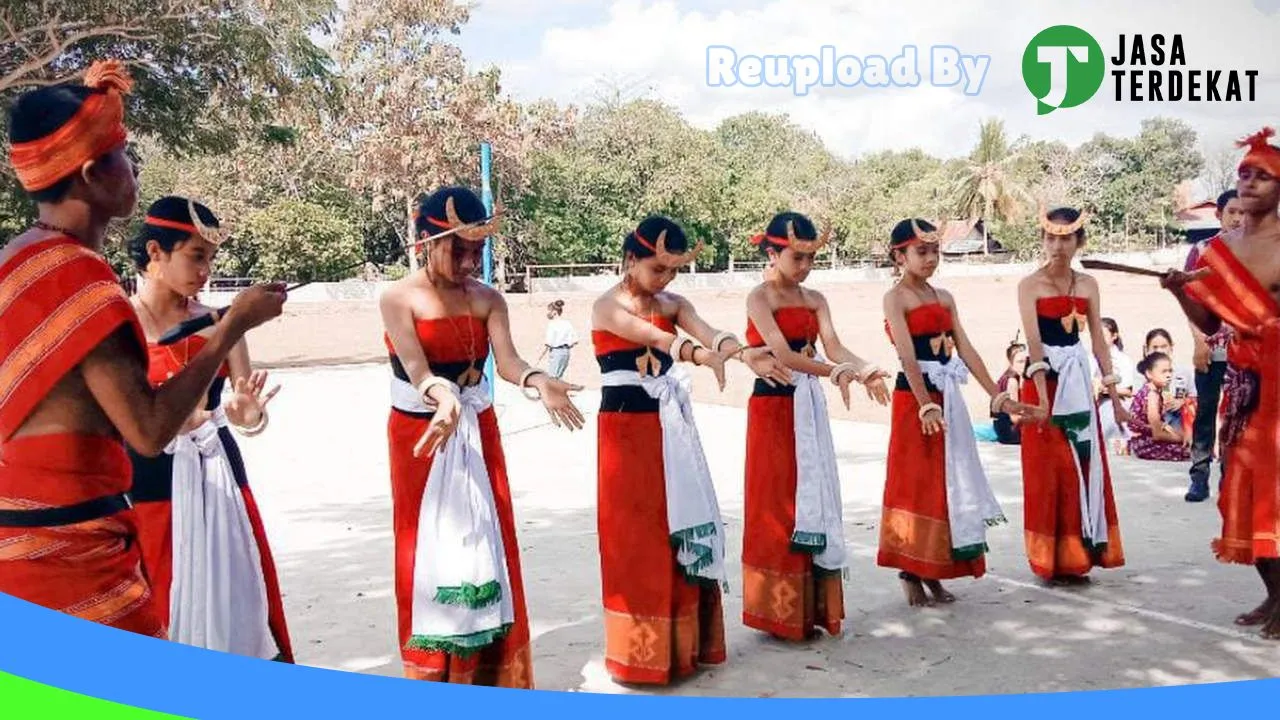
[{"x": 571, "y": 50}]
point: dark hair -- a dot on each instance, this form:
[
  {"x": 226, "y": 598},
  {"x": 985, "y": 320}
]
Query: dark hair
[
  {"x": 556, "y": 306},
  {"x": 1158, "y": 332},
  {"x": 650, "y": 228},
  {"x": 801, "y": 225},
  {"x": 1013, "y": 349},
  {"x": 1150, "y": 361},
  {"x": 175, "y": 209},
  {"x": 1225, "y": 198},
  {"x": 41, "y": 112},
  {"x": 1066, "y": 216},
  {"x": 468, "y": 206},
  {"x": 1111, "y": 325},
  {"x": 902, "y": 232}
]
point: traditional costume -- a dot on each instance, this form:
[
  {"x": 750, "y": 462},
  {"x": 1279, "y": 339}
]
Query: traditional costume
[
  {"x": 938, "y": 502},
  {"x": 660, "y": 533},
  {"x": 459, "y": 588},
  {"x": 202, "y": 538},
  {"x": 67, "y": 530},
  {"x": 1071, "y": 524},
  {"x": 1250, "y": 435},
  {"x": 793, "y": 550}
]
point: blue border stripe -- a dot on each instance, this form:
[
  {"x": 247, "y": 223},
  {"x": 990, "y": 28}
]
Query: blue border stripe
[{"x": 90, "y": 659}]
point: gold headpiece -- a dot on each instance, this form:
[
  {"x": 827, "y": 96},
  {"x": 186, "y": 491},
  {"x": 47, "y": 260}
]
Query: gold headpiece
[
  {"x": 808, "y": 246},
  {"x": 474, "y": 232},
  {"x": 1054, "y": 228}
]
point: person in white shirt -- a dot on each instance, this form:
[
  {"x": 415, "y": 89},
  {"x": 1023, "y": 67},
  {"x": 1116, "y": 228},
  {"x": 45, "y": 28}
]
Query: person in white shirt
[
  {"x": 559, "y": 341},
  {"x": 1117, "y": 434}
]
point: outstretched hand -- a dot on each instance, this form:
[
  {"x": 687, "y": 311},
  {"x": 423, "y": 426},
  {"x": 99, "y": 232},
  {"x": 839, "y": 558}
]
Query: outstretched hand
[
  {"x": 877, "y": 388},
  {"x": 247, "y": 403},
  {"x": 555, "y": 395},
  {"x": 767, "y": 366},
  {"x": 442, "y": 426}
]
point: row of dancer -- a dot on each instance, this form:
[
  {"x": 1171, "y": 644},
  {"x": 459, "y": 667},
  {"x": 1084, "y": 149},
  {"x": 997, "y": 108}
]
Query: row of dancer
[{"x": 69, "y": 410}]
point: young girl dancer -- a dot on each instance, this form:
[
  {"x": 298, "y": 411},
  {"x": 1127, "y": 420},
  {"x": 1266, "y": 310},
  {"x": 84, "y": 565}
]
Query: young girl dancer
[
  {"x": 938, "y": 503},
  {"x": 1070, "y": 512},
  {"x": 793, "y": 539},
  {"x": 660, "y": 533},
  {"x": 459, "y": 586},
  {"x": 202, "y": 538}
]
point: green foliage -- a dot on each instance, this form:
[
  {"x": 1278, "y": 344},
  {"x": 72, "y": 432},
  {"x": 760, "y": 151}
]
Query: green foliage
[{"x": 297, "y": 240}]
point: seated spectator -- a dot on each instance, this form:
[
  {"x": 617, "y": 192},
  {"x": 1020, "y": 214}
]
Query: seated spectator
[{"x": 1151, "y": 438}]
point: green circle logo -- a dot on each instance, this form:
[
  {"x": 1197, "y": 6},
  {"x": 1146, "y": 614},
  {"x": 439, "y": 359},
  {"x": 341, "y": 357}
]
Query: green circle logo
[{"x": 1063, "y": 67}]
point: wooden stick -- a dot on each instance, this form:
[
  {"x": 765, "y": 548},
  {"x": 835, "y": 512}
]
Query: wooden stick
[{"x": 1132, "y": 270}]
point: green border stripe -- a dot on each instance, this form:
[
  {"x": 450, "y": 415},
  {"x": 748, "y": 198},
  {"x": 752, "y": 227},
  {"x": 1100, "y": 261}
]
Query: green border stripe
[{"x": 26, "y": 699}]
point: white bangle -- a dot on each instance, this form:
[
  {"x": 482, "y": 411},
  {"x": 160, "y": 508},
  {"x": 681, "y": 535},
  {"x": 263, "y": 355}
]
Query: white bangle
[
  {"x": 1112, "y": 379},
  {"x": 998, "y": 401},
  {"x": 839, "y": 370},
  {"x": 256, "y": 429},
  {"x": 524, "y": 383},
  {"x": 721, "y": 337},
  {"x": 424, "y": 388},
  {"x": 928, "y": 408},
  {"x": 1037, "y": 367},
  {"x": 677, "y": 346},
  {"x": 866, "y": 373}
]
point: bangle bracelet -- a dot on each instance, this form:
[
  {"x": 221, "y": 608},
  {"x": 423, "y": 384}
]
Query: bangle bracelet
[
  {"x": 998, "y": 401},
  {"x": 524, "y": 383},
  {"x": 839, "y": 370},
  {"x": 1036, "y": 367},
  {"x": 677, "y": 348},
  {"x": 424, "y": 387},
  {"x": 256, "y": 429},
  {"x": 1112, "y": 379},
  {"x": 928, "y": 408},
  {"x": 866, "y": 373},
  {"x": 721, "y": 337}
]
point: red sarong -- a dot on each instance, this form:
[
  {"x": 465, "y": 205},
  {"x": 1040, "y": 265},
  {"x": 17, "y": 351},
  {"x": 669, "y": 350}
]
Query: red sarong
[
  {"x": 658, "y": 625},
  {"x": 1053, "y": 528},
  {"x": 783, "y": 593},
  {"x": 915, "y": 524},
  {"x": 58, "y": 300},
  {"x": 1250, "y": 497},
  {"x": 507, "y": 662}
]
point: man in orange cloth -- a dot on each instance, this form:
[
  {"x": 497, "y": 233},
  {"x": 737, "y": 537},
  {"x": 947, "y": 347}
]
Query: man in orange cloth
[
  {"x": 1236, "y": 281},
  {"x": 73, "y": 364}
]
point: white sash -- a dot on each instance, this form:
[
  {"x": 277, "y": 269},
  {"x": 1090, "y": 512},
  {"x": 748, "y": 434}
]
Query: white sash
[
  {"x": 819, "y": 525},
  {"x": 693, "y": 513},
  {"x": 461, "y": 587},
  {"x": 971, "y": 505},
  {"x": 218, "y": 598},
  {"x": 1075, "y": 412}
]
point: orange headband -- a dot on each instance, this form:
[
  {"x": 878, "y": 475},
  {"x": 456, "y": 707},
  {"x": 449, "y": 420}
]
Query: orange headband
[
  {"x": 1261, "y": 154},
  {"x": 96, "y": 128},
  {"x": 918, "y": 235},
  {"x": 659, "y": 249},
  {"x": 171, "y": 224}
]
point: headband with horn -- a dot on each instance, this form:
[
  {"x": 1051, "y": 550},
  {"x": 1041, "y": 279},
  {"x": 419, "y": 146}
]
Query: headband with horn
[
  {"x": 933, "y": 237},
  {"x": 659, "y": 248},
  {"x": 213, "y": 235},
  {"x": 1054, "y": 228},
  {"x": 471, "y": 232},
  {"x": 795, "y": 243}
]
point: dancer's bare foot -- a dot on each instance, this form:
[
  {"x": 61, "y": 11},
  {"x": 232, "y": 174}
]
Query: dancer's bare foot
[
  {"x": 940, "y": 593},
  {"x": 1257, "y": 615},
  {"x": 914, "y": 590}
]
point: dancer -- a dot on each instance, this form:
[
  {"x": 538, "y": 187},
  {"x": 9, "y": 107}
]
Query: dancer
[
  {"x": 938, "y": 502},
  {"x": 73, "y": 382},
  {"x": 1240, "y": 290},
  {"x": 459, "y": 586},
  {"x": 660, "y": 533},
  {"x": 793, "y": 550},
  {"x": 203, "y": 542},
  {"x": 1070, "y": 511}
]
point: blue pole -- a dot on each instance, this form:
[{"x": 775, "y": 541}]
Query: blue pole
[{"x": 486, "y": 195}]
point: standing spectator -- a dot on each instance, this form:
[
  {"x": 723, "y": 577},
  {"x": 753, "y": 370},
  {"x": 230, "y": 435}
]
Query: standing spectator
[
  {"x": 560, "y": 340},
  {"x": 1116, "y": 433},
  {"x": 1210, "y": 360}
]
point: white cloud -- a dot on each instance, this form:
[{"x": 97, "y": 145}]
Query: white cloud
[{"x": 661, "y": 45}]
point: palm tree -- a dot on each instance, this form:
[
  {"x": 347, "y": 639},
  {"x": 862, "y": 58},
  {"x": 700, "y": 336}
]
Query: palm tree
[{"x": 986, "y": 188}]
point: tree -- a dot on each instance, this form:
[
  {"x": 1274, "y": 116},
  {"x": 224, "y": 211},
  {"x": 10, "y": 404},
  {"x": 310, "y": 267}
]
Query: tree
[
  {"x": 1220, "y": 169},
  {"x": 207, "y": 72},
  {"x": 987, "y": 189}
]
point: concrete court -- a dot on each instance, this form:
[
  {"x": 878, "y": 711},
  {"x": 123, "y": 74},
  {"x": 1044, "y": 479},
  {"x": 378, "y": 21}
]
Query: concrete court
[{"x": 320, "y": 473}]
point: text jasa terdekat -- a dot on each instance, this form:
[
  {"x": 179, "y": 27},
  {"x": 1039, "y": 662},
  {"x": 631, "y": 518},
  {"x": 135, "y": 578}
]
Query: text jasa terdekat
[{"x": 1154, "y": 70}]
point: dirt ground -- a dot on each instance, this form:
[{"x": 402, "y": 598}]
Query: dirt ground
[{"x": 315, "y": 334}]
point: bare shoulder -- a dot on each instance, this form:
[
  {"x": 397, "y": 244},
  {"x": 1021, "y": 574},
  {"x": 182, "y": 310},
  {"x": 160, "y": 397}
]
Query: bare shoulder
[
  {"x": 490, "y": 299},
  {"x": 814, "y": 298},
  {"x": 946, "y": 298},
  {"x": 20, "y": 242},
  {"x": 1087, "y": 282},
  {"x": 396, "y": 295},
  {"x": 673, "y": 302}
]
